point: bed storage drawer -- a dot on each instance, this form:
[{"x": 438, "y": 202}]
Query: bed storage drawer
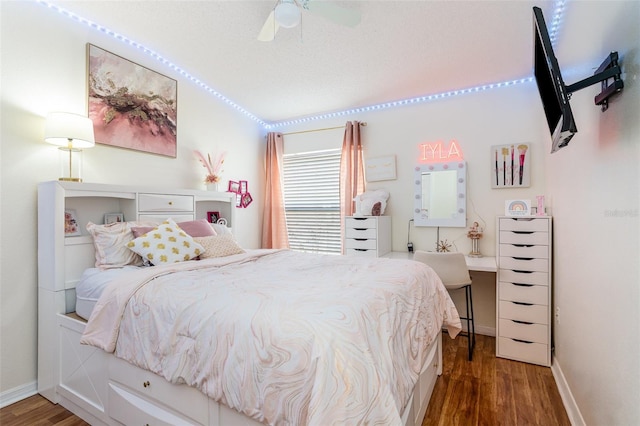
[
  {"x": 127, "y": 379},
  {"x": 536, "y": 353},
  {"x": 165, "y": 203}
]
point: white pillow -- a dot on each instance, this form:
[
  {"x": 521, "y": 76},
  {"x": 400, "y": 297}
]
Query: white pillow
[
  {"x": 168, "y": 243},
  {"x": 110, "y": 243}
]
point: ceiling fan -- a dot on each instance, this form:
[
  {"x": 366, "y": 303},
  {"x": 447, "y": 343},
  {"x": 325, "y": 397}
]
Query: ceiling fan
[{"x": 287, "y": 14}]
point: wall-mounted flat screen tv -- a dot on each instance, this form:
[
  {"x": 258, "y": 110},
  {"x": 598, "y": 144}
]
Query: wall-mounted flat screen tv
[{"x": 553, "y": 92}]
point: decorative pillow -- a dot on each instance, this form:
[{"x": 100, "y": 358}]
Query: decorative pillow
[
  {"x": 220, "y": 229},
  {"x": 218, "y": 246},
  {"x": 110, "y": 243},
  {"x": 168, "y": 243},
  {"x": 195, "y": 228}
]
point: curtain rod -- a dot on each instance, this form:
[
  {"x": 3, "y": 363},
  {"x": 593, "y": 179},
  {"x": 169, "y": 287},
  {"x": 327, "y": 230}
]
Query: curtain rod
[{"x": 364, "y": 123}]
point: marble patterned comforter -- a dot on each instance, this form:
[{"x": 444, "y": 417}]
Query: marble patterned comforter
[{"x": 283, "y": 337}]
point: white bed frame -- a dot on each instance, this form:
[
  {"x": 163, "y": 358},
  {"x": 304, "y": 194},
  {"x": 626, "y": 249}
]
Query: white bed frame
[{"x": 95, "y": 385}]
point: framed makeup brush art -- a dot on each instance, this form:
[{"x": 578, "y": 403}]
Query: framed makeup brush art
[{"x": 511, "y": 165}]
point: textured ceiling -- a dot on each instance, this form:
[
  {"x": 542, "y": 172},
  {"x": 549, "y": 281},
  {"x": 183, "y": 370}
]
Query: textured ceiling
[{"x": 400, "y": 49}]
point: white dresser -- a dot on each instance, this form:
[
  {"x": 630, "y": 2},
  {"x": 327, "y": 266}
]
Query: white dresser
[
  {"x": 367, "y": 235},
  {"x": 523, "y": 317}
]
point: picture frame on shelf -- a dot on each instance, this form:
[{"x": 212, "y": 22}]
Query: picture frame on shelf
[
  {"x": 234, "y": 187},
  {"x": 213, "y": 217},
  {"x": 238, "y": 200},
  {"x": 71, "y": 225},
  {"x": 113, "y": 218}
]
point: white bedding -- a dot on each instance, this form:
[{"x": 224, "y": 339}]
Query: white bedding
[
  {"x": 91, "y": 285},
  {"x": 283, "y": 337}
]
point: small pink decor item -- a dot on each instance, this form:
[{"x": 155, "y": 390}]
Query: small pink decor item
[{"x": 540, "y": 208}]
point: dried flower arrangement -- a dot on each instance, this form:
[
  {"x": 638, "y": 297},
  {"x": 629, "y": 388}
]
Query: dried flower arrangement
[{"x": 213, "y": 167}]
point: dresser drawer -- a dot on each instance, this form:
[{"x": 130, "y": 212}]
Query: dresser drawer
[
  {"x": 159, "y": 218},
  {"x": 538, "y": 314},
  {"x": 369, "y": 244},
  {"x": 524, "y": 277},
  {"x": 165, "y": 203},
  {"x": 361, "y": 252},
  {"x": 524, "y": 264},
  {"x": 148, "y": 385},
  {"x": 361, "y": 233},
  {"x": 524, "y": 224},
  {"x": 130, "y": 409},
  {"x": 536, "y": 353},
  {"x": 523, "y": 250},
  {"x": 530, "y": 332},
  {"x": 524, "y": 237},
  {"x": 361, "y": 222},
  {"x": 526, "y": 293}
]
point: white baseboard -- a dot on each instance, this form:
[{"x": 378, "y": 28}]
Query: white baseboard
[
  {"x": 18, "y": 394},
  {"x": 573, "y": 412}
]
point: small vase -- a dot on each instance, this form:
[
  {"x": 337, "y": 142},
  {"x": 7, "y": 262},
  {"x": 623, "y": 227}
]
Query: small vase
[{"x": 212, "y": 186}]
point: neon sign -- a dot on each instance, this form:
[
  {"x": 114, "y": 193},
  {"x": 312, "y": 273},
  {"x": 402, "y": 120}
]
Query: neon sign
[{"x": 440, "y": 152}]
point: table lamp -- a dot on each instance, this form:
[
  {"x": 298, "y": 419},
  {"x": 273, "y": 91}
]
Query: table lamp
[{"x": 71, "y": 133}]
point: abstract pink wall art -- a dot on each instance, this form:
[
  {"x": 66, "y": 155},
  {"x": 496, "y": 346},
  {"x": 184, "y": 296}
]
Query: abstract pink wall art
[{"x": 131, "y": 106}]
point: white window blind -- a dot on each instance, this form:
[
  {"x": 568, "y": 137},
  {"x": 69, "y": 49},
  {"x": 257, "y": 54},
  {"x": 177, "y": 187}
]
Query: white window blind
[{"x": 312, "y": 200}]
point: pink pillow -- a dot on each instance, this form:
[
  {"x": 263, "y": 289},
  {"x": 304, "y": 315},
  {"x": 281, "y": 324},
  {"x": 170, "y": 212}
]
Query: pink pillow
[{"x": 195, "y": 228}]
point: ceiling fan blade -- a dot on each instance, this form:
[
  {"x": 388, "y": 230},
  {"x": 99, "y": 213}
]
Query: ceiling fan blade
[
  {"x": 337, "y": 14},
  {"x": 269, "y": 29}
]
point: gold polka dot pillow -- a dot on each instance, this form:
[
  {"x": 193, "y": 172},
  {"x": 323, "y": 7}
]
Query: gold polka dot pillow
[{"x": 167, "y": 243}]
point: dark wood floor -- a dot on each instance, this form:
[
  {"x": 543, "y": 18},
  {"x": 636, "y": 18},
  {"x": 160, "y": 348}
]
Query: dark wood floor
[{"x": 486, "y": 391}]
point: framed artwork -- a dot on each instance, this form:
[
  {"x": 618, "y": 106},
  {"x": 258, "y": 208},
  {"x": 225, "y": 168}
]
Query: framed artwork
[
  {"x": 238, "y": 200},
  {"x": 380, "y": 168},
  {"x": 113, "y": 218},
  {"x": 511, "y": 166},
  {"x": 212, "y": 217},
  {"x": 131, "y": 106},
  {"x": 234, "y": 187},
  {"x": 71, "y": 225},
  {"x": 244, "y": 187}
]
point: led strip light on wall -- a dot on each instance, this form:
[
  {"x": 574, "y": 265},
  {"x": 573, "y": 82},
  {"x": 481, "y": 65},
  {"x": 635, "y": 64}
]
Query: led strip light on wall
[{"x": 556, "y": 20}]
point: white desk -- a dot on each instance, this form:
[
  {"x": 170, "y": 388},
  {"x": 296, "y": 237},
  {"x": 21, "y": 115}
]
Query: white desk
[{"x": 482, "y": 264}]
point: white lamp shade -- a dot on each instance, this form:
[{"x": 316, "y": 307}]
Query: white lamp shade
[
  {"x": 64, "y": 128},
  {"x": 287, "y": 14}
]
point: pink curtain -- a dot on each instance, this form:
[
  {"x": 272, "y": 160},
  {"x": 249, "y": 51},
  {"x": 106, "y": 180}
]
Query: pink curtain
[
  {"x": 351, "y": 170},
  {"x": 274, "y": 224}
]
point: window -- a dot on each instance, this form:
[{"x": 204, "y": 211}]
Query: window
[{"x": 312, "y": 200}]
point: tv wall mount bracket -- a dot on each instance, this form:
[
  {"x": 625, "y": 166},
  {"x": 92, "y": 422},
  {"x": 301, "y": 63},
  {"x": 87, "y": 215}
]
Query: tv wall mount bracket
[{"x": 608, "y": 75}]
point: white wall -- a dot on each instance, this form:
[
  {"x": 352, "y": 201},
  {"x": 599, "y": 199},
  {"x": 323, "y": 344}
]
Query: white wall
[
  {"x": 593, "y": 186},
  {"x": 44, "y": 69}
]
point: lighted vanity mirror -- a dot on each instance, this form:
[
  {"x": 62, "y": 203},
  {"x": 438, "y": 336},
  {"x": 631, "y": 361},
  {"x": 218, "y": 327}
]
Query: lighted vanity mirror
[{"x": 440, "y": 195}]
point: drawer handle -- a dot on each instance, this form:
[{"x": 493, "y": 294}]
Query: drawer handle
[
  {"x": 522, "y": 285},
  {"x": 522, "y": 303},
  {"x": 361, "y": 239},
  {"x": 522, "y": 272},
  {"x": 170, "y": 203},
  {"x": 361, "y": 250},
  {"x": 522, "y": 232},
  {"x": 522, "y": 245},
  {"x": 522, "y": 322},
  {"x": 522, "y": 341},
  {"x": 522, "y": 258},
  {"x": 146, "y": 384},
  {"x": 360, "y": 229},
  {"x": 359, "y": 218},
  {"x": 522, "y": 219}
]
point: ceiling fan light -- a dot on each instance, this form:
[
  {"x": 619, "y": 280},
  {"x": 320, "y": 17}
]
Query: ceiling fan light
[{"x": 287, "y": 14}]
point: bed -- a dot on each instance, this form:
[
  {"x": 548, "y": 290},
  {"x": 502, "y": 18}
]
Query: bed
[{"x": 253, "y": 337}]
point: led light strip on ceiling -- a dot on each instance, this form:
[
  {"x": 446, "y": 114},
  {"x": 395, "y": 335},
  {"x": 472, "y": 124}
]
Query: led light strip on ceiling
[{"x": 556, "y": 21}]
